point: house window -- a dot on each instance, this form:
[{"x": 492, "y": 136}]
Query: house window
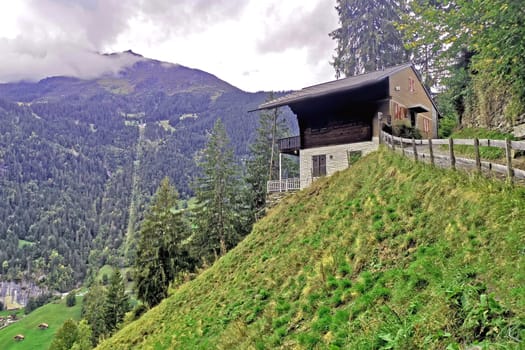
[
  {"x": 399, "y": 112},
  {"x": 411, "y": 84},
  {"x": 426, "y": 125},
  {"x": 319, "y": 165}
]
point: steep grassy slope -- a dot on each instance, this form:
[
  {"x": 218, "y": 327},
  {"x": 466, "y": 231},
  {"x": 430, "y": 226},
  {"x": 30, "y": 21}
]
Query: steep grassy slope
[
  {"x": 54, "y": 314},
  {"x": 387, "y": 255}
]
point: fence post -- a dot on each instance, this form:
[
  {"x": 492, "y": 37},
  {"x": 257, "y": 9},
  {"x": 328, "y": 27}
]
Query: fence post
[
  {"x": 508, "y": 153},
  {"x": 393, "y": 143},
  {"x": 478, "y": 157},
  {"x": 414, "y": 148},
  {"x": 451, "y": 150},
  {"x": 431, "y": 150}
]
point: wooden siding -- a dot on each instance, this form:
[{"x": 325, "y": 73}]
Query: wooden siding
[
  {"x": 406, "y": 91},
  {"x": 355, "y": 131}
]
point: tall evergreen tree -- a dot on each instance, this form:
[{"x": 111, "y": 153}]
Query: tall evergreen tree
[
  {"x": 117, "y": 301},
  {"x": 93, "y": 311},
  {"x": 83, "y": 340},
  {"x": 161, "y": 254},
  {"x": 65, "y": 336},
  {"x": 367, "y": 39},
  {"x": 263, "y": 163},
  {"x": 219, "y": 213}
]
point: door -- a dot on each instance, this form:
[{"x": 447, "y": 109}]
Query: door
[{"x": 319, "y": 165}]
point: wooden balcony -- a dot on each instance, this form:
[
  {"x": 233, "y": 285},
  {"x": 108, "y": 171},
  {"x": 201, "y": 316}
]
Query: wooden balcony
[
  {"x": 290, "y": 145},
  {"x": 284, "y": 185}
]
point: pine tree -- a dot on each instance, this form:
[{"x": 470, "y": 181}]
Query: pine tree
[
  {"x": 71, "y": 299},
  {"x": 83, "y": 340},
  {"x": 65, "y": 336},
  {"x": 93, "y": 311},
  {"x": 117, "y": 302},
  {"x": 263, "y": 164},
  {"x": 161, "y": 254},
  {"x": 219, "y": 214},
  {"x": 367, "y": 39}
]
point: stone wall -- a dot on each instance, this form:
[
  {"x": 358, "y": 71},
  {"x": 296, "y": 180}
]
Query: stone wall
[{"x": 336, "y": 158}]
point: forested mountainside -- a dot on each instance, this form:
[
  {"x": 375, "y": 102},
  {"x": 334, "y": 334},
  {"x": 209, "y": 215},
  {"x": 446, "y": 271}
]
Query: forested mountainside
[
  {"x": 79, "y": 160},
  {"x": 389, "y": 254}
]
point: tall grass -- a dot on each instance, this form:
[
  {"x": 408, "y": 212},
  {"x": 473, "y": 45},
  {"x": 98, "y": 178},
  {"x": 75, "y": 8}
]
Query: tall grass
[{"x": 389, "y": 254}]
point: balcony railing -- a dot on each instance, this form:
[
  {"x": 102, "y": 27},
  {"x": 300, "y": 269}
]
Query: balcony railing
[
  {"x": 290, "y": 144},
  {"x": 284, "y": 185}
]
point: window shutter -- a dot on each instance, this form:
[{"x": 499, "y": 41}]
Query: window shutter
[
  {"x": 319, "y": 165},
  {"x": 322, "y": 165},
  {"x": 315, "y": 166}
]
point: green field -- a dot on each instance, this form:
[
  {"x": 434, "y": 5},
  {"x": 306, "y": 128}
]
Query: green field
[
  {"x": 54, "y": 314},
  {"x": 389, "y": 254}
]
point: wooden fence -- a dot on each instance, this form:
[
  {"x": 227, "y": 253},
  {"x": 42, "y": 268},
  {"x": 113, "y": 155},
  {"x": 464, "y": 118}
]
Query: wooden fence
[{"x": 425, "y": 149}]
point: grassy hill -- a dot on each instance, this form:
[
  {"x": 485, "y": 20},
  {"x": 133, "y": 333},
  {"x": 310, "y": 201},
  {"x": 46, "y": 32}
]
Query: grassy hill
[
  {"x": 387, "y": 255},
  {"x": 54, "y": 314}
]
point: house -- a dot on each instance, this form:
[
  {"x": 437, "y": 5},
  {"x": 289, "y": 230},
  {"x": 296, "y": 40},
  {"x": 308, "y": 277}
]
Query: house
[{"x": 342, "y": 119}]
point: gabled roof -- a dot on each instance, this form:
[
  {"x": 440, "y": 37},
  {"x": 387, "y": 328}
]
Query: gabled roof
[{"x": 341, "y": 85}]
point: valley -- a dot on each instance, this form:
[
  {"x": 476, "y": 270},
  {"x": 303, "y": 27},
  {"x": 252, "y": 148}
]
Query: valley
[{"x": 105, "y": 143}]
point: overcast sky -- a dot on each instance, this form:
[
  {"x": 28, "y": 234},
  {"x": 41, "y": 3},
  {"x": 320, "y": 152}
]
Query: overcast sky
[{"x": 252, "y": 44}]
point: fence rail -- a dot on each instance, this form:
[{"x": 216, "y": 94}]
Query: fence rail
[
  {"x": 284, "y": 185},
  {"x": 417, "y": 149}
]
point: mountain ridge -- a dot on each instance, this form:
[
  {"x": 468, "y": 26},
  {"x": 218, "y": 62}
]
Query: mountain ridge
[{"x": 77, "y": 154}]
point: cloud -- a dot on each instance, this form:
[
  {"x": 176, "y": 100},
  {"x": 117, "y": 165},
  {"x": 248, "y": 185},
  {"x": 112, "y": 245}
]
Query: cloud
[
  {"x": 61, "y": 37},
  {"x": 302, "y": 29},
  {"x": 29, "y": 60}
]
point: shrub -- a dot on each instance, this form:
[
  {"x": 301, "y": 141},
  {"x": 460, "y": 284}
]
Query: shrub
[{"x": 71, "y": 299}]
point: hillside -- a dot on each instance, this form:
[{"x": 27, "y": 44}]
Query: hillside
[
  {"x": 54, "y": 314},
  {"x": 79, "y": 160},
  {"x": 386, "y": 255}
]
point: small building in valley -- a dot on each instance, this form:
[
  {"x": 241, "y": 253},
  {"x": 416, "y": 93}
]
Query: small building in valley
[{"x": 342, "y": 119}]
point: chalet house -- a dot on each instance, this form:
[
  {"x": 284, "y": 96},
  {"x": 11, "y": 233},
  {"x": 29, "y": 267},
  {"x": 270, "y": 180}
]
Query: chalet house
[{"x": 342, "y": 119}]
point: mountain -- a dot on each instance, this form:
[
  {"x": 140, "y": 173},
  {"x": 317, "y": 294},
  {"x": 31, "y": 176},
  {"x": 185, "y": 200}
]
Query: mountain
[
  {"x": 389, "y": 254},
  {"x": 80, "y": 158}
]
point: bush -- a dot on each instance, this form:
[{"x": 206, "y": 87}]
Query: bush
[
  {"x": 71, "y": 299},
  {"x": 406, "y": 132},
  {"x": 447, "y": 125},
  {"x": 34, "y": 303}
]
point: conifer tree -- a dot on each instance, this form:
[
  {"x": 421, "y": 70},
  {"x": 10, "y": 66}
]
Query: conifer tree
[
  {"x": 93, "y": 311},
  {"x": 367, "y": 39},
  {"x": 83, "y": 340},
  {"x": 263, "y": 164},
  {"x": 65, "y": 336},
  {"x": 219, "y": 214},
  {"x": 161, "y": 254},
  {"x": 117, "y": 301}
]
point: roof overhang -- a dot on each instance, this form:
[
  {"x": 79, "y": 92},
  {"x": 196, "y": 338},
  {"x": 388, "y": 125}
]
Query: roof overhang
[
  {"x": 335, "y": 87},
  {"x": 418, "y": 108}
]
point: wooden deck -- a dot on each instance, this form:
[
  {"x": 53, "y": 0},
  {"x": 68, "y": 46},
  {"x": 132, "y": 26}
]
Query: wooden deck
[{"x": 290, "y": 145}]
